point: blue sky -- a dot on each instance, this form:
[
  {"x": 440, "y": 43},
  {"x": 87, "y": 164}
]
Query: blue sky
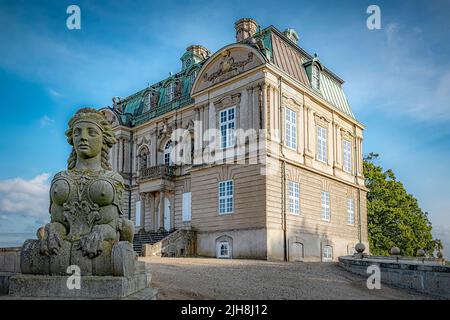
[{"x": 397, "y": 80}]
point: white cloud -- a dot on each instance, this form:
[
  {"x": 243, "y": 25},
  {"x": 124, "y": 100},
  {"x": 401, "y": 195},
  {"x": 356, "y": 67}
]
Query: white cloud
[
  {"x": 46, "y": 121},
  {"x": 25, "y": 198},
  {"x": 402, "y": 79},
  {"x": 53, "y": 93}
]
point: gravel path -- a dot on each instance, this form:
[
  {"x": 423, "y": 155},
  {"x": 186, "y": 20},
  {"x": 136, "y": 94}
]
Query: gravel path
[{"x": 203, "y": 278}]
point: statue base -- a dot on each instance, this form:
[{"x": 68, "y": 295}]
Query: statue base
[{"x": 91, "y": 287}]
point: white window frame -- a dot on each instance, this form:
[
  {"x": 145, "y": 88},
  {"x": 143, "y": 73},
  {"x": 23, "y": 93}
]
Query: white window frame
[
  {"x": 322, "y": 150},
  {"x": 168, "y": 161},
  {"x": 187, "y": 207},
  {"x": 315, "y": 77},
  {"x": 294, "y": 197},
  {"x": 219, "y": 247},
  {"x": 227, "y": 125},
  {"x": 137, "y": 214},
  {"x": 290, "y": 131},
  {"x": 325, "y": 201},
  {"x": 347, "y": 155},
  {"x": 350, "y": 211},
  {"x": 327, "y": 254},
  {"x": 226, "y": 197},
  {"x": 170, "y": 91}
]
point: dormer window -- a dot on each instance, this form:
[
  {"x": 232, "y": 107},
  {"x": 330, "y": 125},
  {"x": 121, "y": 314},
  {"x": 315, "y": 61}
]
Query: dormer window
[
  {"x": 193, "y": 76},
  {"x": 170, "y": 91},
  {"x": 315, "y": 78},
  {"x": 147, "y": 101}
]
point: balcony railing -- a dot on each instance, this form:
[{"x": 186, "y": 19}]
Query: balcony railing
[{"x": 161, "y": 171}]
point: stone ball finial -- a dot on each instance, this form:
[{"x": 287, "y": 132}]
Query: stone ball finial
[
  {"x": 420, "y": 253},
  {"x": 395, "y": 251},
  {"x": 360, "y": 247}
]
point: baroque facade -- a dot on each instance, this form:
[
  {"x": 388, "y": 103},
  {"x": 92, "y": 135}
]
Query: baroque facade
[{"x": 303, "y": 199}]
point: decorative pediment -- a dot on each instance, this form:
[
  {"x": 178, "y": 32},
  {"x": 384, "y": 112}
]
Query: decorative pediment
[
  {"x": 288, "y": 101},
  {"x": 346, "y": 134},
  {"x": 321, "y": 120},
  {"x": 227, "y": 63},
  {"x": 228, "y": 101}
]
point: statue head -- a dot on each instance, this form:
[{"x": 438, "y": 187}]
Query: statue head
[{"x": 89, "y": 134}]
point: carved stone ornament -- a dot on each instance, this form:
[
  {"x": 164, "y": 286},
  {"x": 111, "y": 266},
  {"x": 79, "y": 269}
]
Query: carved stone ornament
[
  {"x": 321, "y": 120},
  {"x": 228, "y": 67},
  {"x": 87, "y": 227},
  {"x": 228, "y": 101}
]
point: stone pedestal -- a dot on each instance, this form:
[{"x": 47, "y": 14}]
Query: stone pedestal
[{"x": 24, "y": 286}]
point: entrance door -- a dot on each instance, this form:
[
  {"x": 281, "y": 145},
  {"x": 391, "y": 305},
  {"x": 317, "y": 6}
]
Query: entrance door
[{"x": 166, "y": 214}]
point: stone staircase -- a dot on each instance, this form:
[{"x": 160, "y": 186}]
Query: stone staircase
[{"x": 147, "y": 238}]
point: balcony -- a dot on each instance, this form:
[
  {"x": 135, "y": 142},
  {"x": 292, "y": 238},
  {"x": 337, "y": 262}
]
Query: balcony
[{"x": 157, "y": 172}]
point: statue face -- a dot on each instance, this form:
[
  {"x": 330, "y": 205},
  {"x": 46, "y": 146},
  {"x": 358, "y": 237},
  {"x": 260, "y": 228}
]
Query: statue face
[{"x": 87, "y": 139}]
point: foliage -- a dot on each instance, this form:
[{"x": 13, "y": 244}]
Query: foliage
[{"x": 394, "y": 216}]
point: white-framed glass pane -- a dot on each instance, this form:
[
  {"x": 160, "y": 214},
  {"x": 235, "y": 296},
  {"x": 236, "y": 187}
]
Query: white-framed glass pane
[
  {"x": 138, "y": 214},
  {"x": 347, "y": 157},
  {"x": 294, "y": 197},
  {"x": 290, "y": 128},
  {"x": 227, "y": 127},
  {"x": 315, "y": 77},
  {"x": 226, "y": 196},
  {"x": 186, "y": 208},
  {"x": 327, "y": 253},
  {"x": 224, "y": 249},
  {"x": 167, "y": 154},
  {"x": 350, "y": 211},
  {"x": 325, "y": 200},
  {"x": 321, "y": 144}
]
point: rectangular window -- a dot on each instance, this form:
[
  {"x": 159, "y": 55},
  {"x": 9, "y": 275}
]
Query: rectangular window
[
  {"x": 291, "y": 128},
  {"x": 347, "y": 146},
  {"x": 226, "y": 197},
  {"x": 227, "y": 127},
  {"x": 186, "y": 208},
  {"x": 321, "y": 144},
  {"x": 325, "y": 199},
  {"x": 193, "y": 76},
  {"x": 350, "y": 211},
  {"x": 315, "y": 77},
  {"x": 327, "y": 254},
  {"x": 138, "y": 214},
  {"x": 294, "y": 197},
  {"x": 170, "y": 91}
]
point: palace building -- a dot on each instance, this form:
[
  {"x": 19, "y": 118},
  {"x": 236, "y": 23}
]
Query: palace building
[{"x": 310, "y": 205}]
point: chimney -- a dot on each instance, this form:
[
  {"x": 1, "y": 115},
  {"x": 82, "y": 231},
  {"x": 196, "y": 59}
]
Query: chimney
[
  {"x": 199, "y": 51},
  {"x": 245, "y": 27}
]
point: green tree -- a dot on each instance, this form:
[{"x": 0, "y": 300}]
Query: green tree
[{"x": 394, "y": 216}]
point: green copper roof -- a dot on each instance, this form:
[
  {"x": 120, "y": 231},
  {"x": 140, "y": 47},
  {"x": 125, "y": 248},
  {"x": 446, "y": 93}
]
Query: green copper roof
[{"x": 274, "y": 45}]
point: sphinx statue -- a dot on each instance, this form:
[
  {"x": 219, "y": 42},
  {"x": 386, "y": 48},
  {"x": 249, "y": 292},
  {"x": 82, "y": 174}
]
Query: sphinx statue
[{"x": 87, "y": 226}]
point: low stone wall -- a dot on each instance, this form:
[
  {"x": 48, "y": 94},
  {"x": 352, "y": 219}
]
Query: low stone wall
[
  {"x": 181, "y": 243},
  {"x": 429, "y": 276},
  {"x": 9, "y": 266}
]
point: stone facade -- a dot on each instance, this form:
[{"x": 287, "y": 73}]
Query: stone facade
[{"x": 262, "y": 77}]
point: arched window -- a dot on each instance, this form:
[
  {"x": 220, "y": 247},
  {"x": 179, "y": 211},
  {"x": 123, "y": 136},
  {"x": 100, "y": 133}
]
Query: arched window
[
  {"x": 315, "y": 78},
  {"x": 168, "y": 161},
  {"x": 170, "y": 91}
]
